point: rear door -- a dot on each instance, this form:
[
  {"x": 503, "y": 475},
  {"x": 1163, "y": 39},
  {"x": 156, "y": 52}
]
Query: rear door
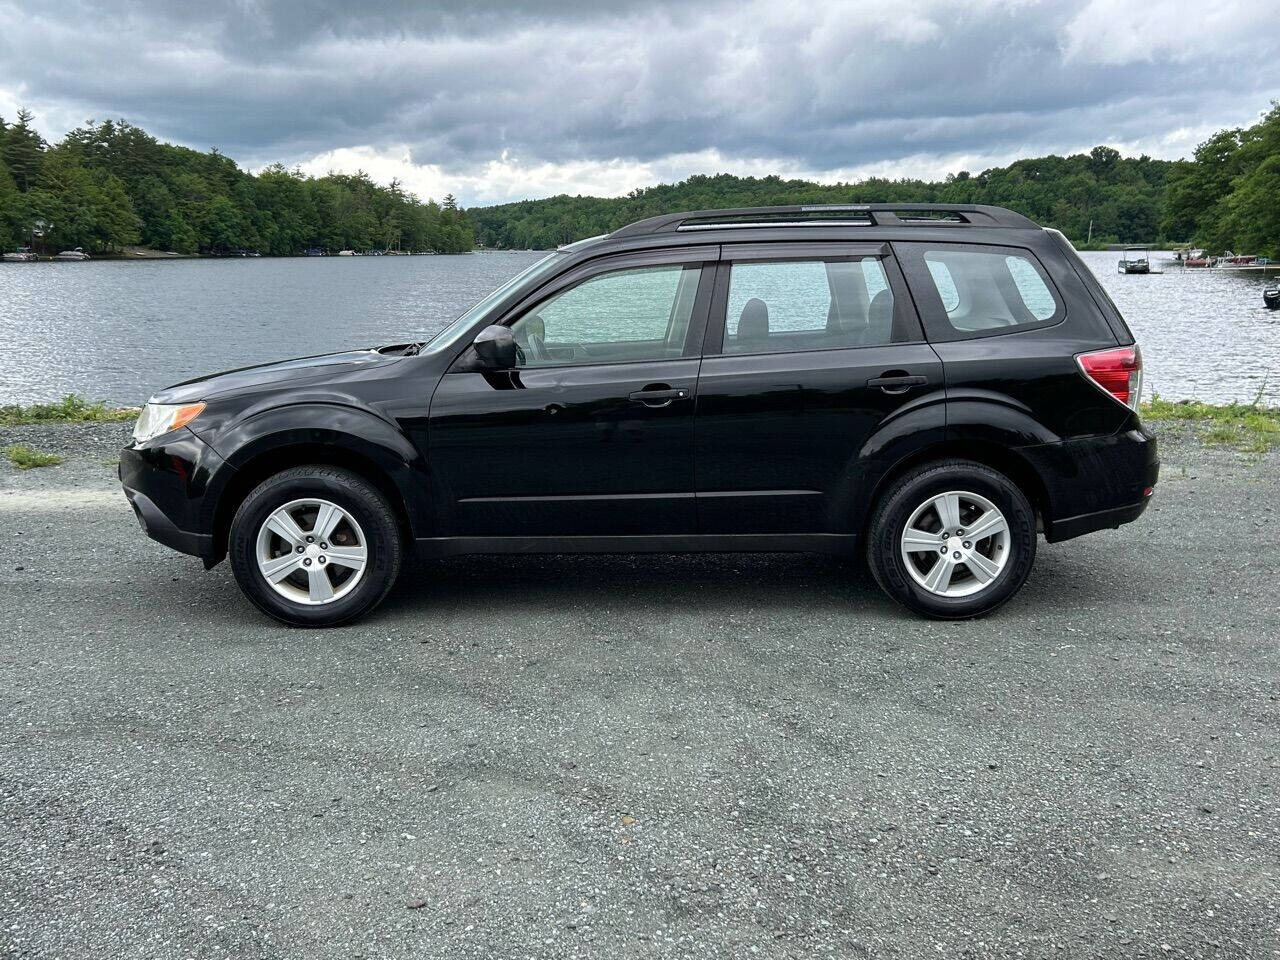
[{"x": 809, "y": 351}]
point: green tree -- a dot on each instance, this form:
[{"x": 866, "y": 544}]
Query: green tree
[
  {"x": 23, "y": 151},
  {"x": 116, "y": 223},
  {"x": 1252, "y": 218},
  {"x": 221, "y": 226},
  {"x": 64, "y": 198},
  {"x": 1196, "y": 189},
  {"x": 14, "y": 223}
]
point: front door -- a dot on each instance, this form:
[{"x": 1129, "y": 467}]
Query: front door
[
  {"x": 808, "y": 356},
  {"x": 592, "y": 433}
]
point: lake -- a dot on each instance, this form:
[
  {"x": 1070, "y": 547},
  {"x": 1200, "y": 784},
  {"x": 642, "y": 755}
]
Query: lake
[{"x": 116, "y": 330}]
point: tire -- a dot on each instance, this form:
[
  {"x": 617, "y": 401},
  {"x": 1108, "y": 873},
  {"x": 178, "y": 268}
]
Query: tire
[
  {"x": 976, "y": 576},
  {"x": 356, "y": 516}
]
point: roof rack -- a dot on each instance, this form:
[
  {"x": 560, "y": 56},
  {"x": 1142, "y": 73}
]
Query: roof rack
[{"x": 829, "y": 214}]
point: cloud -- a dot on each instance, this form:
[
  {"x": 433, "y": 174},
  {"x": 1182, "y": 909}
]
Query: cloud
[
  {"x": 1119, "y": 32},
  {"x": 491, "y": 101}
]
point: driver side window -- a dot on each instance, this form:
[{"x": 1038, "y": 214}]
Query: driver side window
[{"x": 640, "y": 313}]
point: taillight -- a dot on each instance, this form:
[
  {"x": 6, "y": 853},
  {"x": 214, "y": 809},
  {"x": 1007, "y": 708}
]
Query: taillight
[{"x": 1117, "y": 371}]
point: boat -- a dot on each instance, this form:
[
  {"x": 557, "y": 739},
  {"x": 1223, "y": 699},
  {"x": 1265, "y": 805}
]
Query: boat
[
  {"x": 1135, "y": 260},
  {"x": 1237, "y": 259},
  {"x": 1200, "y": 262},
  {"x": 346, "y": 253},
  {"x": 21, "y": 255},
  {"x": 1271, "y": 298},
  {"x": 76, "y": 254}
]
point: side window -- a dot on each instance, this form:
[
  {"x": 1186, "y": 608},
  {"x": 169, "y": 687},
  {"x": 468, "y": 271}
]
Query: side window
[
  {"x": 980, "y": 290},
  {"x": 946, "y": 286},
  {"x": 1033, "y": 290},
  {"x": 641, "y": 313},
  {"x": 790, "y": 305}
]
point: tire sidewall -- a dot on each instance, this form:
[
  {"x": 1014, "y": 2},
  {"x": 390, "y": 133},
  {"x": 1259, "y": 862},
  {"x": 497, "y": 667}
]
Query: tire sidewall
[
  {"x": 364, "y": 503},
  {"x": 885, "y": 552}
]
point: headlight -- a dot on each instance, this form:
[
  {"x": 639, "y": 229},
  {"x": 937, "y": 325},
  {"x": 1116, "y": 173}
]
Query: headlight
[{"x": 158, "y": 418}]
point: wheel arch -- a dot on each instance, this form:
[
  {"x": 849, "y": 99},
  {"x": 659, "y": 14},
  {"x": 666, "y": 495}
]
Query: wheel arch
[
  {"x": 354, "y": 440},
  {"x": 1003, "y": 459}
]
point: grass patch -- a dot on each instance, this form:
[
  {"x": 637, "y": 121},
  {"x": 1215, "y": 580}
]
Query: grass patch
[
  {"x": 25, "y": 458},
  {"x": 1249, "y": 427},
  {"x": 70, "y": 409}
]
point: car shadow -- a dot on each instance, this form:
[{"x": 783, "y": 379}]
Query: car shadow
[
  {"x": 760, "y": 582},
  {"x": 772, "y": 585},
  {"x": 703, "y": 581}
]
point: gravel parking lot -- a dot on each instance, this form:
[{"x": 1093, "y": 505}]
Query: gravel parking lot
[{"x": 716, "y": 756}]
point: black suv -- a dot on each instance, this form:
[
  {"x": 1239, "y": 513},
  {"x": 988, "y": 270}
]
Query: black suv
[{"x": 931, "y": 385}]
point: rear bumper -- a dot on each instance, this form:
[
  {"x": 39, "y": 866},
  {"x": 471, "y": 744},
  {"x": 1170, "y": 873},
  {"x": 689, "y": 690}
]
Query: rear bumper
[
  {"x": 167, "y": 483},
  {"x": 1070, "y": 527},
  {"x": 1096, "y": 483}
]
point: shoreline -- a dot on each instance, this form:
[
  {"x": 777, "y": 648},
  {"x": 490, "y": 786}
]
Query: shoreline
[
  {"x": 1243, "y": 428},
  {"x": 133, "y": 254}
]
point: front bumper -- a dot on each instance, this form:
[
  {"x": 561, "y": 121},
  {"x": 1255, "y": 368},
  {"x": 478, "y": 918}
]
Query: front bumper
[
  {"x": 166, "y": 482},
  {"x": 161, "y": 529}
]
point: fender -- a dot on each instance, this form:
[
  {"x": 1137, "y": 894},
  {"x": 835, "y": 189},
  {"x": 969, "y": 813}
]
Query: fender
[
  {"x": 987, "y": 416},
  {"x": 359, "y": 431},
  {"x": 981, "y": 425}
]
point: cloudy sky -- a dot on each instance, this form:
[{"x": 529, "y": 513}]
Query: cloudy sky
[{"x": 498, "y": 101}]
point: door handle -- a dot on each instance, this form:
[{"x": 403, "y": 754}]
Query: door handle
[
  {"x": 897, "y": 384},
  {"x": 657, "y": 396}
]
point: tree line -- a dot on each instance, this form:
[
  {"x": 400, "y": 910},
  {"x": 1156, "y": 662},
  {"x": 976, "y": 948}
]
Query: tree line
[
  {"x": 110, "y": 184},
  {"x": 1227, "y": 197},
  {"x": 1113, "y": 198}
]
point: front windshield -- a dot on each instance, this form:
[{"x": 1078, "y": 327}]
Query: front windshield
[{"x": 458, "y": 329}]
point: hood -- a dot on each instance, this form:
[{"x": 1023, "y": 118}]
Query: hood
[{"x": 284, "y": 371}]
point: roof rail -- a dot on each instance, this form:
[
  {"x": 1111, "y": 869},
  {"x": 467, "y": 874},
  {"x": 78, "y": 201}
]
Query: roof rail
[{"x": 828, "y": 214}]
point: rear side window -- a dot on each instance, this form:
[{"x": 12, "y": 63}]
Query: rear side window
[
  {"x": 792, "y": 305},
  {"x": 967, "y": 291}
]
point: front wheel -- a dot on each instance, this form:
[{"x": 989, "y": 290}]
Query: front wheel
[
  {"x": 952, "y": 539},
  {"x": 315, "y": 546}
]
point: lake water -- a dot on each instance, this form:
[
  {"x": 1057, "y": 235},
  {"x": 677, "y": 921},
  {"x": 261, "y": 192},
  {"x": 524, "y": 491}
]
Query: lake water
[{"x": 116, "y": 331}]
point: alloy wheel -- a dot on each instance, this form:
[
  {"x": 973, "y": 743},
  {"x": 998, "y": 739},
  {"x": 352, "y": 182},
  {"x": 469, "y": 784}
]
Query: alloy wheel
[
  {"x": 311, "y": 551},
  {"x": 955, "y": 544}
]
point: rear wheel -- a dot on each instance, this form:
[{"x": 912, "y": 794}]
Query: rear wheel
[
  {"x": 952, "y": 539},
  {"x": 315, "y": 546}
]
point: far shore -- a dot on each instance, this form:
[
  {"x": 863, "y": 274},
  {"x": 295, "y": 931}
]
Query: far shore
[{"x": 147, "y": 253}]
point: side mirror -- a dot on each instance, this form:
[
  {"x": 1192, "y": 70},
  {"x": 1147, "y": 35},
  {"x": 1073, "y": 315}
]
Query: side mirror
[{"x": 496, "y": 348}]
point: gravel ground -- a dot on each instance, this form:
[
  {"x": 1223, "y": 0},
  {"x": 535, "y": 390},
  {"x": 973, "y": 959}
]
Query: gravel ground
[{"x": 659, "y": 756}]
